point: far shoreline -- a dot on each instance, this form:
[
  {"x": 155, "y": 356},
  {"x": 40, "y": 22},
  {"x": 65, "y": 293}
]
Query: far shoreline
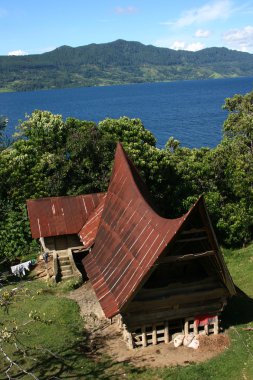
[{"x": 8, "y": 90}]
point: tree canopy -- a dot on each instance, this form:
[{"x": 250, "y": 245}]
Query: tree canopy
[{"x": 54, "y": 157}]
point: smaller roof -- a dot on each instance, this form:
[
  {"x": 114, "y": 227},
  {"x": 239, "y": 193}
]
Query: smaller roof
[
  {"x": 89, "y": 231},
  {"x": 55, "y": 216}
]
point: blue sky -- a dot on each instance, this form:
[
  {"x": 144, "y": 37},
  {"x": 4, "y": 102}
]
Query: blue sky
[{"x": 33, "y": 26}]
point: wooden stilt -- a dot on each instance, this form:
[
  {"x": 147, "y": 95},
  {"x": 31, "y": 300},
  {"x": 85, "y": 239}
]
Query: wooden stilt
[
  {"x": 154, "y": 335},
  {"x": 144, "y": 336},
  {"x": 206, "y": 329},
  {"x": 195, "y": 328},
  {"x": 216, "y": 326},
  {"x": 166, "y": 332},
  {"x": 186, "y": 327}
]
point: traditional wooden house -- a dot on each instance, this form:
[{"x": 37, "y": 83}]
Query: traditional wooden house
[
  {"x": 59, "y": 222},
  {"x": 157, "y": 276}
]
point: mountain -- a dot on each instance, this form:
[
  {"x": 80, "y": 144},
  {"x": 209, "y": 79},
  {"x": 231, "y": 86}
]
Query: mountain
[{"x": 118, "y": 62}]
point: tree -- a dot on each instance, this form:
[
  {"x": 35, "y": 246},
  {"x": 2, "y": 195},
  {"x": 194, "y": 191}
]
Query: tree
[
  {"x": 3, "y": 125},
  {"x": 239, "y": 123},
  {"x": 15, "y": 237},
  {"x": 238, "y": 132},
  {"x": 90, "y": 154}
]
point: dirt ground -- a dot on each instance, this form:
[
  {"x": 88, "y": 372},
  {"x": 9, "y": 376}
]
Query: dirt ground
[
  {"x": 106, "y": 338},
  {"x": 43, "y": 270}
]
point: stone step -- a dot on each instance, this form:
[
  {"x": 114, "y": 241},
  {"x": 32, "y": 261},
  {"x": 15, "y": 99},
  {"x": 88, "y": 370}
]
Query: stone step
[
  {"x": 63, "y": 257},
  {"x": 67, "y": 277},
  {"x": 66, "y": 272},
  {"x": 64, "y": 262},
  {"x": 66, "y": 267}
]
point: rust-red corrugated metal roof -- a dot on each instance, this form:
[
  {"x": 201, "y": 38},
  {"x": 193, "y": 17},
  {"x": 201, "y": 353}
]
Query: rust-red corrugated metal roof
[
  {"x": 89, "y": 231},
  {"x": 130, "y": 238},
  {"x": 61, "y": 215}
]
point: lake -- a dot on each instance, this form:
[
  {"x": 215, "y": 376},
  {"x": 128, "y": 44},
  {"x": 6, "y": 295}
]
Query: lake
[{"x": 190, "y": 111}]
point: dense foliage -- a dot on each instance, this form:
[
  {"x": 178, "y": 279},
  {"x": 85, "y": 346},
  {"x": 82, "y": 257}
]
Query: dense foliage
[
  {"x": 53, "y": 157},
  {"x": 116, "y": 63}
]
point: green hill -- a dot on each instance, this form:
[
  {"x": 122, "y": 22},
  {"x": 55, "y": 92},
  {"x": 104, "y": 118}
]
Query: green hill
[{"x": 118, "y": 62}]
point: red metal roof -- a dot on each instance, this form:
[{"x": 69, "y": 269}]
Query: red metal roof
[
  {"x": 130, "y": 238},
  {"x": 61, "y": 215},
  {"x": 89, "y": 231}
]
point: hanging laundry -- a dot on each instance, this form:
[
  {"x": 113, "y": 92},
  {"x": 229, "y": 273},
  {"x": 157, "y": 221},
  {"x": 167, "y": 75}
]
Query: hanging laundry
[
  {"x": 19, "y": 270},
  {"x": 203, "y": 320}
]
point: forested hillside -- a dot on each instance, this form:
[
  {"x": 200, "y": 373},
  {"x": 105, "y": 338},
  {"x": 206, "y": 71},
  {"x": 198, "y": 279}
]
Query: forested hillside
[
  {"x": 56, "y": 157},
  {"x": 118, "y": 62}
]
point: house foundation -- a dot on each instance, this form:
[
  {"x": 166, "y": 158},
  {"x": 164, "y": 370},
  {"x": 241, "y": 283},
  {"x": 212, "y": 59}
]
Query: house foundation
[{"x": 164, "y": 332}]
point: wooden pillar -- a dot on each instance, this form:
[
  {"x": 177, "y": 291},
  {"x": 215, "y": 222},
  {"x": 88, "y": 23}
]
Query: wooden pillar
[
  {"x": 144, "y": 336},
  {"x": 195, "y": 328},
  {"x": 166, "y": 332},
  {"x": 154, "y": 335},
  {"x": 206, "y": 329},
  {"x": 216, "y": 325},
  {"x": 186, "y": 327}
]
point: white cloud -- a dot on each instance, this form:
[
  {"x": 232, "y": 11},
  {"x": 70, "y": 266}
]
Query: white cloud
[
  {"x": 181, "y": 45},
  {"x": 219, "y": 9},
  {"x": 239, "y": 39},
  {"x": 126, "y": 10},
  {"x": 201, "y": 33},
  {"x": 178, "y": 45},
  {"x": 17, "y": 52},
  {"x": 195, "y": 46}
]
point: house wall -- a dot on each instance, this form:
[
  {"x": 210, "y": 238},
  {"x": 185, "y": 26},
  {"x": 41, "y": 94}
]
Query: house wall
[
  {"x": 174, "y": 294},
  {"x": 182, "y": 300},
  {"x": 58, "y": 243}
]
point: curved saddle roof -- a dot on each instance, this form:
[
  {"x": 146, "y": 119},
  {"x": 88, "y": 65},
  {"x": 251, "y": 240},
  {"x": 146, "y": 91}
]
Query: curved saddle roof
[{"x": 130, "y": 238}]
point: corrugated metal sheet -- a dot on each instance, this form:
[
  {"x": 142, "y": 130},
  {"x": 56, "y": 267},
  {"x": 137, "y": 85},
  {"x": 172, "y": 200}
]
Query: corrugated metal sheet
[
  {"x": 61, "y": 215},
  {"x": 130, "y": 238},
  {"x": 89, "y": 231}
]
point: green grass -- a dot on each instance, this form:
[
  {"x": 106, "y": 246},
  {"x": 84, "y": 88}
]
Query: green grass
[
  {"x": 67, "y": 338},
  {"x": 240, "y": 263}
]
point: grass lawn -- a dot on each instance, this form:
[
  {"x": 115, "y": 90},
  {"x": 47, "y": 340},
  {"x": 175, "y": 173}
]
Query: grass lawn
[{"x": 60, "y": 350}]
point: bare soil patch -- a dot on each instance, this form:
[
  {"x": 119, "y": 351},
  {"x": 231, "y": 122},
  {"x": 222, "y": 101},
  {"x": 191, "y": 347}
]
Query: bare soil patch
[
  {"x": 43, "y": 270},
  {"x": 105, "y": 338}
]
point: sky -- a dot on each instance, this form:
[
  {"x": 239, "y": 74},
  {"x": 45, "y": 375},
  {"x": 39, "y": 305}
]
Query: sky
[{"x": 34, "y": 26}]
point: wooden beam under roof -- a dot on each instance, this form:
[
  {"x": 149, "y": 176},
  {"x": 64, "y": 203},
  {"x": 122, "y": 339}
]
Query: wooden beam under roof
[
  {"x": 189, "y": 256},
  {"x": 192, "y": 239},
  {"x": 193, "y": 231}
]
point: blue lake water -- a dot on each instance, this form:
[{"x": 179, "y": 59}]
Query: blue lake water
[{"x": 190, "y": 111}]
